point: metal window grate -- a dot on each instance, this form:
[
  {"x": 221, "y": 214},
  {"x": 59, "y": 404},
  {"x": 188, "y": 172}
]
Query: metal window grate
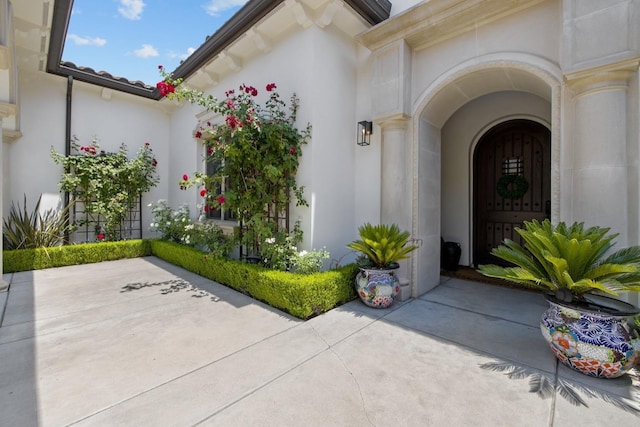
[{"x": 512, "y": 166}]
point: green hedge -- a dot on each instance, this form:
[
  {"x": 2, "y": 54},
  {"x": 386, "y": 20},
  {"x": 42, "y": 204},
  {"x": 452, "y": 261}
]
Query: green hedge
[
  {"x": 303, "y": 296},
  {"x": 60, "y": 256}
]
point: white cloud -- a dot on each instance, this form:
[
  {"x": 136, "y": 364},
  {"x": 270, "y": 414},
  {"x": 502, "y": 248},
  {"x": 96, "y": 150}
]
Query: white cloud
[
  {"x": 146, "y": 51},
  {"x": 86, "y": 41},
  {"x": 214, "y": 7},
  {"x": 181, "y": 56},
  {"x": 131, "y": 9}
]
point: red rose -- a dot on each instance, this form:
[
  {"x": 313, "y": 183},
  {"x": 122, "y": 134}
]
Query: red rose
[
  {"x": 203, "y": 192},
  {"x": 160, "y": 67},
  {"x": 233, "y": 122},
  {"x": 198, "y": 135},
  {"x": 270, "y": 87},
  {"x": 100, "y": 236},
  {"x": 292, "y": 150},
  {"x": 206, "y": 208},
  {"x": 165, "y": 88},
  {"x": 185, "y": 177},
  {"x": 221, "y": 200}
]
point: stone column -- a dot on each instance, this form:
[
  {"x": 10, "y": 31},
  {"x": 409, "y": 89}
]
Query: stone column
[
  {"x": 396, "y": 186},
  {"x": 601, "y": 194},
  {"x": 391, "y": 107}
]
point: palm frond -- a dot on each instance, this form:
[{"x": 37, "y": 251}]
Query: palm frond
[
  {"x": 383, "y": 244},
  {"x": 570, "y": 257}
]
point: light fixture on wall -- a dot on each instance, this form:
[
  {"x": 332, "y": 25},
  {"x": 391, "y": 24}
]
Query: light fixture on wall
[{"x": 365, "y": 129}]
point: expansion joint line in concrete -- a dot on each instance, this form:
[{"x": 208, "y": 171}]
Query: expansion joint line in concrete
[
  {"x": 552, "y": 409},
  {"x": 346, "y": 368},
  {"x": 199, "y": 369}
]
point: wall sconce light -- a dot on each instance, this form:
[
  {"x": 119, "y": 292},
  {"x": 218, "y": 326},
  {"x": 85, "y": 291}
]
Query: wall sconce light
[{"x": 365, "y": 129}]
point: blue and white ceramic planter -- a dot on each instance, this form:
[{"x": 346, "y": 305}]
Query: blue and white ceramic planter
[
  {"x": 592, "y": 341},
  {"x": 377, "y": 287}
]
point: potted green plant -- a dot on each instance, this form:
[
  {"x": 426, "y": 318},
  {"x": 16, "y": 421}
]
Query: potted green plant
[
  {"x": 586, "y": 329},
  {"x": 381, "y": 247}
]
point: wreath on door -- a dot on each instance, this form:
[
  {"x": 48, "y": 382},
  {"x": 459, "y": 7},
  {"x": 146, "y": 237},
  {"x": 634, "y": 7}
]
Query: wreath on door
[{"x": 512, "y": 186}]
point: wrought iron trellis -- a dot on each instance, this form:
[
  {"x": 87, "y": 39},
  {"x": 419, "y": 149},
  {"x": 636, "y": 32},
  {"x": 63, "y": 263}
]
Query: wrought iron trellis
[{"x": 90, "y": 225}]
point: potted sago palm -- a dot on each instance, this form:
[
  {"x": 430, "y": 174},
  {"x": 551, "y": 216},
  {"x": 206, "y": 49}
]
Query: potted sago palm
[
  {"x": 585, "y": 327},
  {"x": 381, "y": 247}
]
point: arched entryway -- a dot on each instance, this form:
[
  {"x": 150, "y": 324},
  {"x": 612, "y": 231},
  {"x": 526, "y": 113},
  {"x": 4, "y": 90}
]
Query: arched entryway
[
  {"x": 448, "y": 123},
  {"x": 511, "y": 183}
]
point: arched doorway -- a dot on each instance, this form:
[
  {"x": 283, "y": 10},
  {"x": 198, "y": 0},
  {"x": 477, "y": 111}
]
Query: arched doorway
[{"x": 512, "y": 183}]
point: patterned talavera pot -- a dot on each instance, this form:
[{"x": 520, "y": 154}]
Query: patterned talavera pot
[
  {"x": 377, "y": 287},
  {"x": 597, "y": 340}
]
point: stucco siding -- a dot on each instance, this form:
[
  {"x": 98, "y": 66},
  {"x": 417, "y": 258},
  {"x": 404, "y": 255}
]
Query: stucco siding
[
  {"x": 120, "y": 119},
  {"x": 319, "y": 66},
  {"x": 535, "y": 31}
]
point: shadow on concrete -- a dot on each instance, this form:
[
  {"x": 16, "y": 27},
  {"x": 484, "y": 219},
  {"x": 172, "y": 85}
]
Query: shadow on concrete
[
  {"x": 18, "y": 370},
  {"x": 547, "y": 386},
  {"x": 171, "y": 286}
]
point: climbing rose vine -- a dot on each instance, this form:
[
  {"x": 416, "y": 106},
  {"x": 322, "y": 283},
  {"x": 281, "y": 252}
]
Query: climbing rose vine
[
  {"x": 108, "y": 184},
  {"x": 257, "y": 148}
]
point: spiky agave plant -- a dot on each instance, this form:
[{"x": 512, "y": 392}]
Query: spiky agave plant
[
  {"x": 567, "y": 259},
  {"x": 28, "y": 230},
  {"x": 383, "y": 244}
]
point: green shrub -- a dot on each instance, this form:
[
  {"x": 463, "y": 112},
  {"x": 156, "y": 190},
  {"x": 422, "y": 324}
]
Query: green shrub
[
  {"x": 303, "y": 296},
  {"x": 60, "y": 256},
  {"x": 176, "y": 226},
  {"x": 28, "y": 230}
]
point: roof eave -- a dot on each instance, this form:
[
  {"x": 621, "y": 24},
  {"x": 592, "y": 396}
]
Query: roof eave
[{"x": 372, "y": 11}]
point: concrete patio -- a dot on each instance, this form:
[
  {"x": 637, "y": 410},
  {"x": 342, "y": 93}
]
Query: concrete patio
[{"x": 140, "y": 342}]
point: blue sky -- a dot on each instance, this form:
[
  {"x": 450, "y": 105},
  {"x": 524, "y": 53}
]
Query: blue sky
[{"x": 130, "y": 38}]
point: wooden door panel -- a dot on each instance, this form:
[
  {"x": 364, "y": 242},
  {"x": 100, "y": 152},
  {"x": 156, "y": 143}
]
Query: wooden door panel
[{"x": 517, "y": 147}]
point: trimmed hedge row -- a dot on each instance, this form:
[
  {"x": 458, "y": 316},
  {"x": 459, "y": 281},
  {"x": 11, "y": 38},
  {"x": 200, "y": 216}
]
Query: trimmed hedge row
[
  {"x": 303, "y": 296},
  {"x": 60, "y": 256}
]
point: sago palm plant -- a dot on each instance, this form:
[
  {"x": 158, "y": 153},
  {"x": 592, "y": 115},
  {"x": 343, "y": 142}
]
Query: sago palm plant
[
  {"x": 567, "y": 260},
  {"x": 383, "y": 245}
]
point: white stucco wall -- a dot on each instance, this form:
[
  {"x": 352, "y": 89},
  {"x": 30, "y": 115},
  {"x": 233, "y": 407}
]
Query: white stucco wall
[
  {"x": 506, "y": 38},
  {"x": 122, "y": 118},
  {"x": 455, "y": 89},
  {"x": 368, "y": 159},
  {"x": 448, "y": 81},
  {"x": 319, "y": 65},
  {"x": 399, "y": 6}
]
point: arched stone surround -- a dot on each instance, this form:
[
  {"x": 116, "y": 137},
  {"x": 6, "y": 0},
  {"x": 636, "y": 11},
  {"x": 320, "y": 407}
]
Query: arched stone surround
[{"x": 459, "y": 86}]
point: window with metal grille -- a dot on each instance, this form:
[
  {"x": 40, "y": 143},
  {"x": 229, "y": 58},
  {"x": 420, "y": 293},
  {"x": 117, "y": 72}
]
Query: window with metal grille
[
  {"x": 220, "y": 214},
  {"x": 512, "y": 166}
]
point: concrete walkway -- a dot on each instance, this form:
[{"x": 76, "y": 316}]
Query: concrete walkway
[{"x": 143, "y": 343}]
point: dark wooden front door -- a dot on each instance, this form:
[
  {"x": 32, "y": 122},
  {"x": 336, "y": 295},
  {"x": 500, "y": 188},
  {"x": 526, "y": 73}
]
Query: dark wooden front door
[{"x": 516, "y": 148}]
